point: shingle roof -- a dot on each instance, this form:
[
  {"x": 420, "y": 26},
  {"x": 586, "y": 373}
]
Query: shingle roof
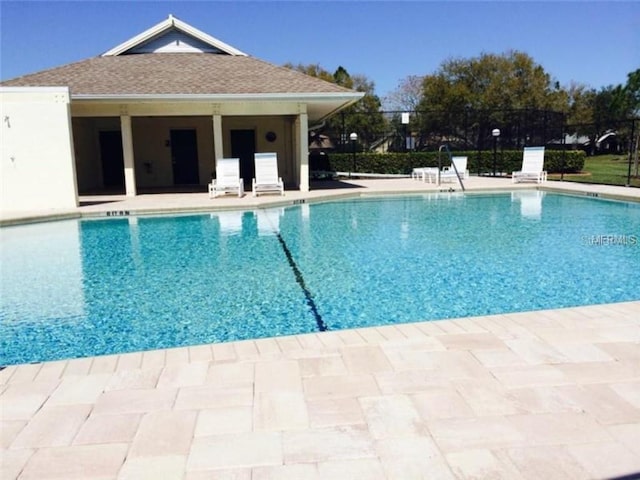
[{"x": 176, "y": 74}]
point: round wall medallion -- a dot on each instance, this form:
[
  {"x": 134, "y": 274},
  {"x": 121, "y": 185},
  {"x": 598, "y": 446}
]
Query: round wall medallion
[{"x": 271, "y": 136}]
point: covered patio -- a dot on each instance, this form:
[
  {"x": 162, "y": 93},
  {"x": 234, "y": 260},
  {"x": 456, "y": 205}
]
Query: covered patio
[{"x": 154, "y": 113}]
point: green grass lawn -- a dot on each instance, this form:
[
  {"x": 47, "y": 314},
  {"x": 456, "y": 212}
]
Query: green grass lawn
[{"x": 605, "y": 169}]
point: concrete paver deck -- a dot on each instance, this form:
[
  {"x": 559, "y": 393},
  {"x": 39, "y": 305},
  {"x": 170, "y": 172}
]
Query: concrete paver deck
[
  {"x": 408, "y": 401},
  {"x": 546, "y": 394},
  {"x": 101, "y": 205}
]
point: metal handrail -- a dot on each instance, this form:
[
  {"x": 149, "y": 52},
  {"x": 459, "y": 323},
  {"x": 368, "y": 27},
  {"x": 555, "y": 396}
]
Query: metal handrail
[{"x": 455, "y": 168}]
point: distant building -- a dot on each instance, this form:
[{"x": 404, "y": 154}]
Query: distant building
[{"x": 606, "y": 143}]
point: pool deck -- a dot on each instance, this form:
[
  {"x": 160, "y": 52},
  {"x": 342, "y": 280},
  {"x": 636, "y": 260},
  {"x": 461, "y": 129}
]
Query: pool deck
[
  {"x": 102, "y": 205},
  {"x": 552, "y": 394}
]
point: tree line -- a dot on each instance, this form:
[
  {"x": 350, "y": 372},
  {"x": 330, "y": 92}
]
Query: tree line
[{"x": 490, "y": 83}]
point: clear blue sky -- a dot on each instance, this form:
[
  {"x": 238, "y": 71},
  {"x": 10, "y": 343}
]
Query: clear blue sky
[{"x": 594, "y": 43}]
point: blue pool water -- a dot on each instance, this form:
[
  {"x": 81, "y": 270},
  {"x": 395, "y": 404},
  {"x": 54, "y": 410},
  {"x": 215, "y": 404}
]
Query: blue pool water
[{"x": 100, "y": 286}]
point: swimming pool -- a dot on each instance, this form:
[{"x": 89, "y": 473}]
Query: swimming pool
[{"x": 113, "y": 285}]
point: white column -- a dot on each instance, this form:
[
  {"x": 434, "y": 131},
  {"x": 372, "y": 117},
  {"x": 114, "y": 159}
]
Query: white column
[
  {"x": 217, "y": 138},
  {"x": 127, "y": 153},
  {"x": 302, "y": 132}
]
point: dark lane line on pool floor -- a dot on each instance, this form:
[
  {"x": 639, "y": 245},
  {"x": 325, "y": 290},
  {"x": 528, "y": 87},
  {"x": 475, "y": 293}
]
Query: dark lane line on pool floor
[{"x": 300, "y": 279}]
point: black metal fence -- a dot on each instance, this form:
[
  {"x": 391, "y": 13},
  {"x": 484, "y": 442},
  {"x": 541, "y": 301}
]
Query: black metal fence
[
  {"x": 496, "y": 131},
  {"x": 397, "y": 131}
]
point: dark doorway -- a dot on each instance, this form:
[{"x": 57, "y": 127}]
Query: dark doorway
[
  {"x": 112, "y": 160},
  {"x": 243, "y": 146},
  {"x": 184, "y": 157}
]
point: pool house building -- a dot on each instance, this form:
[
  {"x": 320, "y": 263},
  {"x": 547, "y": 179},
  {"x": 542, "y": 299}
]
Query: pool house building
[{"x": 153, "y": 114}]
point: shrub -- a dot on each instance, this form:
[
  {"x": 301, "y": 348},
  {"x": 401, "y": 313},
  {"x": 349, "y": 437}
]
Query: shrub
[{"x": 478, "y": 162}]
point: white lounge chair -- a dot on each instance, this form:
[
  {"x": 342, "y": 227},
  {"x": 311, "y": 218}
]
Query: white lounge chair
[
  {"x": 449, "y": 173},
  {"x": 267, "y": 179},
  {"x": 227, "y": 178},
  {"x": 532, "y": 166},
  {"x": 424, "y": 173}
]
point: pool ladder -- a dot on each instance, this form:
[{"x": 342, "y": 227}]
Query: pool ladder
[{"x": 446, "y": 148}]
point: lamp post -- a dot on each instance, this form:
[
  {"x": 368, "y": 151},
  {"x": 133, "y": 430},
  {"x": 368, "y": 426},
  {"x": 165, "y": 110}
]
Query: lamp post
[
  {"x": 353, "y": 137},
  {"x": 496, "y": 133}
]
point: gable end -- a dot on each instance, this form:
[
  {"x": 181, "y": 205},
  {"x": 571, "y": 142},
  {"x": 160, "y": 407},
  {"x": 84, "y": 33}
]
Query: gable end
[
  {"x": 173, "y": 36},
  {"x": 174, "y": 41}
]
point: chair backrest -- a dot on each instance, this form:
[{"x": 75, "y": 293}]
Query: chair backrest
[
  {"x": 533, "y": 159},
  {"x": 228, "y": 171},
  {"x": 460, "y": 163},
  {"x": 266, "y": 168}
]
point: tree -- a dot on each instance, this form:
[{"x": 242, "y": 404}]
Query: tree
[
  {"x": 579, "y": 107},
  {"x": 508, "y": 81},
  {"x": 579, "y": 104},
  {"x": 342, "y": 78},
  {"x": 596, "y": 113},
  {"x": 313, "y": 70},
  {"x": 406, "y": 97},
  {"x": 363, "y": 118},
  {"x": 632, "y": 90},
  {"x": 467, "y": 98}
]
